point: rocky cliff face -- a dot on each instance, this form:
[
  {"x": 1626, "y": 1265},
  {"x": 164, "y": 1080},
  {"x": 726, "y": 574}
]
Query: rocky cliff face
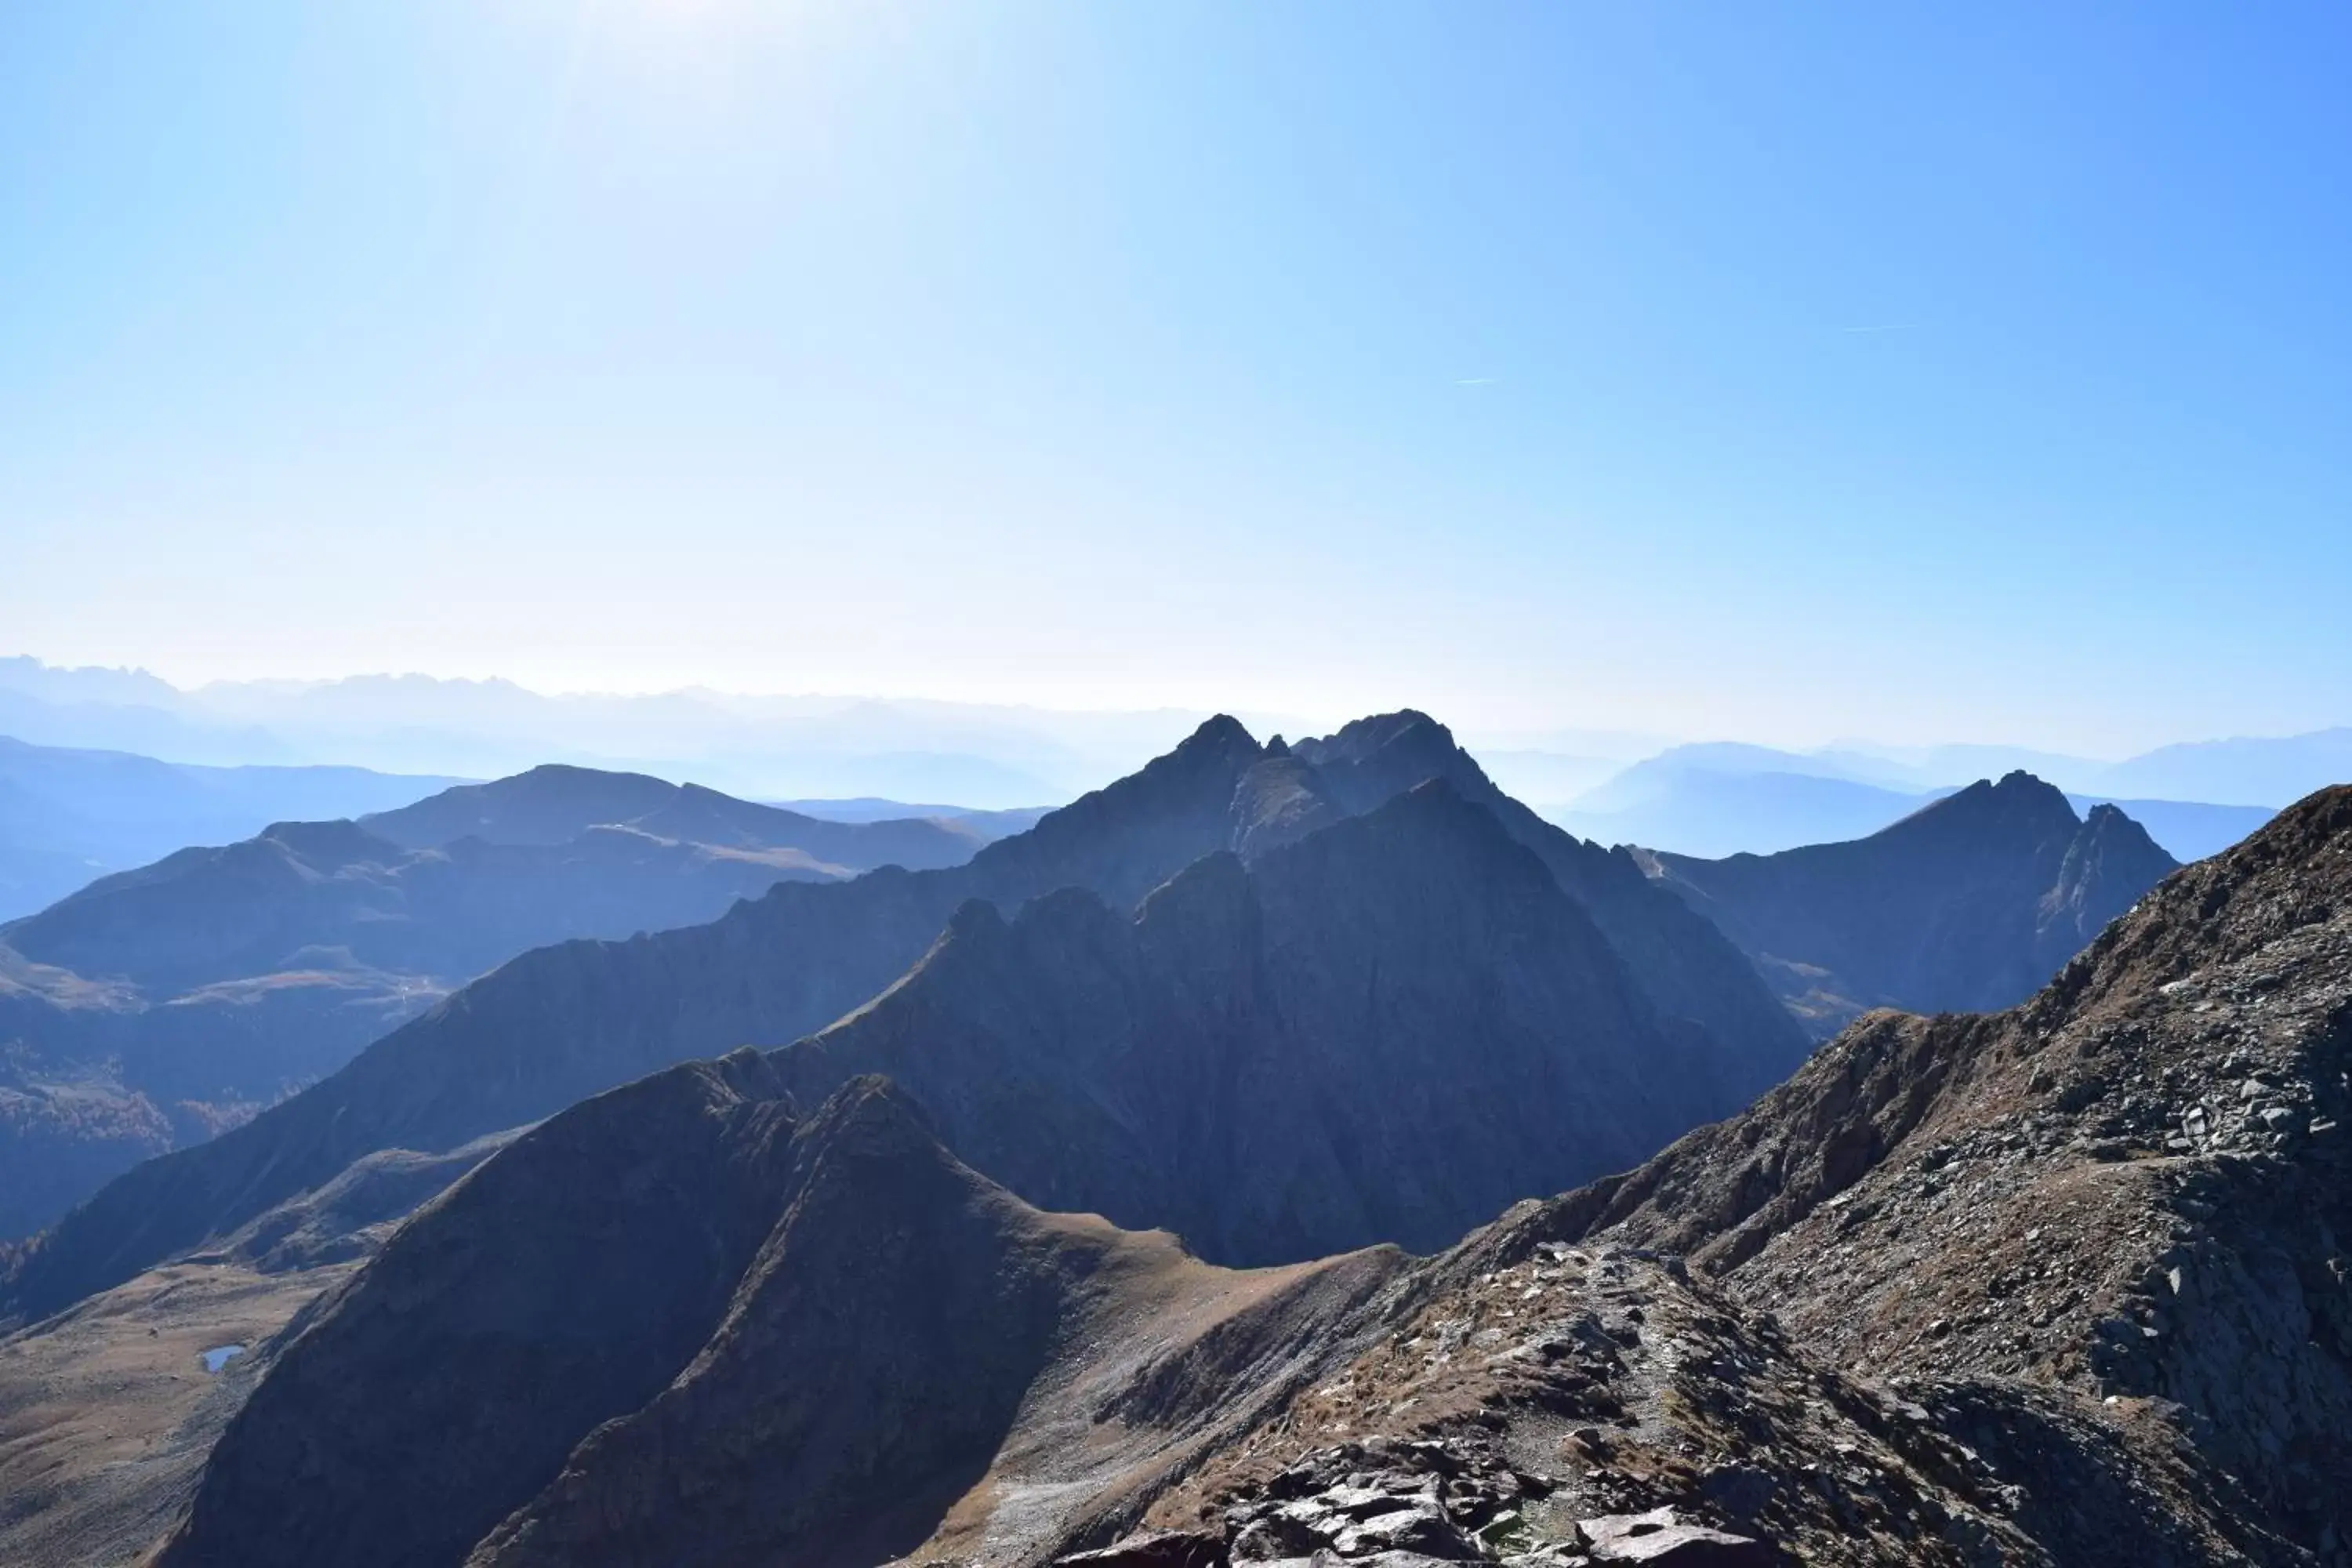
[
  {"x": 1968, "y": 905},
  {"x": 1682, "y": 963},
  {"x": 1385, "y": 1031}
]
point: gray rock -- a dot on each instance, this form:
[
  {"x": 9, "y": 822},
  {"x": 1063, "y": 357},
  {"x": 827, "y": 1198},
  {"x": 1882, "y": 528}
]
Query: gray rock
[
  {"x": 1417, "y": 1528},
  {"x": 1659, "y": 1537},
  {"x": 1154, "y": 1549}
]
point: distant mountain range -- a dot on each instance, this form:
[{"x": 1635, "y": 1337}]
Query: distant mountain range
[
  {"x": 874, "y": 808},
  {"x": 819, "y": 748},
  {"x": 2061, "y": 1285},
  {"x": 1969, "y": 904},
  {"x": 157, "y": 1006},
  {"x": 68, "y": 816},
  {"x": 755, "y": 747},
  {"x": 1718, "y": 800}
]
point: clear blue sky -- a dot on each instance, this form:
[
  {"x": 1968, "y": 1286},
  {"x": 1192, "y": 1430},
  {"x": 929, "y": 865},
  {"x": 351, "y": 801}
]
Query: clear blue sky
[{"x": 1782, "y": 372}]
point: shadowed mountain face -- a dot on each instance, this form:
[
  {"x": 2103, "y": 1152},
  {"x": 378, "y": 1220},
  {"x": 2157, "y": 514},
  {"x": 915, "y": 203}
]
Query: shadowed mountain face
[
  {"x": 566, "y": 1021},
  {"x": 1969, "y": 904},
  {"x": 1385, "y": 1031},
  {"x": 155, "y": 1007},
  {"x": 846, "y": 1313},
  {"x": 2063, "y": 1287},
  {"x": 1680, "y": 962}
]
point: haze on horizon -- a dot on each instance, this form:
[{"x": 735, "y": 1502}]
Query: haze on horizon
[{"x": 1782, "y": 376}]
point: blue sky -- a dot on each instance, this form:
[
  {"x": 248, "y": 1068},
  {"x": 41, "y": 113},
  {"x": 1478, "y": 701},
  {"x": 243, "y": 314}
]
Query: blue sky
[{"x": 1780, "y": 372}]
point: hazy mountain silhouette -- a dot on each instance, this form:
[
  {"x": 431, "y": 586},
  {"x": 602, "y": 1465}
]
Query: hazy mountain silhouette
[
  {"x": 69, "y": 816},
  {"x": 988, "y": 825},
  {"x": 1968, "y": 905},
  {"x": 1703, "y": 813},
  {"x": 1714, "y": 801},
  {"x": 992, "y": 756},
  {"x": 2265, "y": 771},
  {"x": 566, "y": 1021}
]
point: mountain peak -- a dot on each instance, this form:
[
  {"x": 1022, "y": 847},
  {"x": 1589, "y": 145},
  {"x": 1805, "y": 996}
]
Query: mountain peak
[
  {"x": 1969, "y": 904},
  {"x": 870, "y": 1118},
  {"x": 1219, "y": 732}
]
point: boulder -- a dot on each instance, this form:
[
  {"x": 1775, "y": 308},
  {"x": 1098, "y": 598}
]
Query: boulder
[
  {"x": 1154, "y": 1549},
  {"x": 1659, "y": 1537}
]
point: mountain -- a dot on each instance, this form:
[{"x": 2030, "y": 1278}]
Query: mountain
[
  {"x": 825, "y": 1331},
  {"x": 1700, "y": 812},
  {"x": 988, "y": 825},
  {"x": 2131, "y": 1193},
  {"x": 554, "y": 804},
  {"x": 1229, "y": 1061},
  {"x": 1720, "y": 800},
  {"x": 2185, "y": 830},
  {"x": 755, "y": 746},
  {"x": 2063, "y": 1285},
  {"x": 562, "y": 1023},
  {"x": 2267, "y": 771},
  {"x": 68, "y": 816},
  {"x": 1968, "y": 904},
  {"x": 156, "y": 1007}
]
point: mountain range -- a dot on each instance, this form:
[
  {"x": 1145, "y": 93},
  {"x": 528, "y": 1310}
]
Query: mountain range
[
  {"x": 69, "y": 816},
  {"x": 755, "y": 746},
  {"x": 2061, "y": 1285},
  {"x": 565, "y": 1022},
  {"x": 156, "y": 1007},
  {"x": 1720, "y": 800},
  {"x": 1173, "y": 1037},
  {"x": 1969, "y": 904}
]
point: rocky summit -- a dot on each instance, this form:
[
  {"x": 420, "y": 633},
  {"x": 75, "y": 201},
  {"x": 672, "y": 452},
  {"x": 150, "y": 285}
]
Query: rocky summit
[{"x": 2065, "y": 1285}]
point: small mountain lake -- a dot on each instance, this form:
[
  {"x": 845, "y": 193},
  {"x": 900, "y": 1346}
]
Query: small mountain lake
[{"x": 220, "y": 1356}]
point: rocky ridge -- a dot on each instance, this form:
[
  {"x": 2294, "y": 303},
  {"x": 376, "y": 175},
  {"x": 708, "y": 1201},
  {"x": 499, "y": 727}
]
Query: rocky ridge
[
  {"x": 1388, "y": 1030},
  {"x": 2132, "y": 1194}
]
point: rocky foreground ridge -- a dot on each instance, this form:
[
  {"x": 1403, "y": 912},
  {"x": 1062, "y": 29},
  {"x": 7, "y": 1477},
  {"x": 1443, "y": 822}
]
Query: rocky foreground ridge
[{"x": 2066, "y": 1285}]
